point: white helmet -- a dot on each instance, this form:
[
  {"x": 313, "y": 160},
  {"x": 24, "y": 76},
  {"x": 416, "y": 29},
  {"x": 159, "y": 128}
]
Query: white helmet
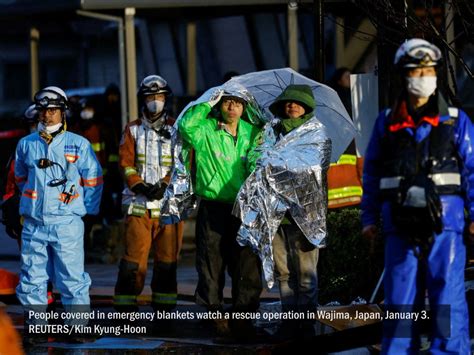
[
  {"x": 417, "y": 52},
  {"x": 51, "y": 97}
]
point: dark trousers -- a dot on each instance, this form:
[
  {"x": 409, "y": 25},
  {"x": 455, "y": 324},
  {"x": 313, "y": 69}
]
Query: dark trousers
[{"x": 216, "y": 249}]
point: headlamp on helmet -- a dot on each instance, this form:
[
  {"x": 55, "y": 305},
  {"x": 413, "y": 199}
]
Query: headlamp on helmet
[{"x": 154, "y": 84}]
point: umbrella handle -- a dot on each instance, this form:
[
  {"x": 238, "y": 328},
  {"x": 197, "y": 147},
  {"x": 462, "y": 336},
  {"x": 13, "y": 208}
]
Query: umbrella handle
[{"x": 372, "y": 298}]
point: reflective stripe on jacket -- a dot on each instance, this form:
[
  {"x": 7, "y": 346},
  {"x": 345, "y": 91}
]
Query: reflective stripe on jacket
[
  {"x": 453, "y": 205},
  {"x": 144, "y": 156},
  {"x": 344, "y": 181}
]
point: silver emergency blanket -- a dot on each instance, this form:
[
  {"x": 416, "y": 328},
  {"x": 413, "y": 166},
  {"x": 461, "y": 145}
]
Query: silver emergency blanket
[
  {"x": 291, "y": 175},
  {"x": 179, "y": 200}
]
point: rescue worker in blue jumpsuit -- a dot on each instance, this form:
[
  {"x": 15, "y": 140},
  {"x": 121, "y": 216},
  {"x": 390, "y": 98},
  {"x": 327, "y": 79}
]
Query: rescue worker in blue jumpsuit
[
  {"x": 419, "y": 175},
  {"x": 60, "y": 181}
]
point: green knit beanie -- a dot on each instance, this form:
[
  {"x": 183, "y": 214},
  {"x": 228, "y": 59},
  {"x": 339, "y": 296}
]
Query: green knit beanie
[{"x": 301, "y": 94}]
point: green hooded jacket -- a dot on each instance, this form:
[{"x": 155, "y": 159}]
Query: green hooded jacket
[
  {"x": 221, "y": 165},
  {"x": 301, "y": 94}
]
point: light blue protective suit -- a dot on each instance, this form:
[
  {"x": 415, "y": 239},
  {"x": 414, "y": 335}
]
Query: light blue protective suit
[{"x": 53, "y": 228}]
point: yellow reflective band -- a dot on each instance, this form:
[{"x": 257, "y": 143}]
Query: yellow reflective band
[
  {"x": 166, "y": 156},
  {"x": 130, "y": 171},
  {"x": 125, "y": 300},
  {"x": 141, "y": 155},
  {"x": 113, "y": 158},
  {"x": 97, "y": 147},
  {"x": 343, "y": 192},
  {"x": 138, "y": 211},
  {"x": 165, "y": 298},
  {"x": 166, "y": 163},
  {"x": 339, "y": 201},
  {"x": 347, "y": 159},
  {"x": 155, "y": 213}
]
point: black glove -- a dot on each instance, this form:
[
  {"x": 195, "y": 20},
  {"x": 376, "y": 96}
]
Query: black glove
[
  {"x": 435, "y": 208},
  {"x": 89, "y": 220},
  {"x": 141, "y": 188},
  {"x": 11, "y": 216},
  {"x": 156, "y": 192}
]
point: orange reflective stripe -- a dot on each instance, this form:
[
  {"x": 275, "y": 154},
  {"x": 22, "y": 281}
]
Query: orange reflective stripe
[
  {"x": 71, "y": 158},
  {"x": 92, "y": 182},
  {"x": 19, "y": 179},
  {"x": 30, "y": 194}
]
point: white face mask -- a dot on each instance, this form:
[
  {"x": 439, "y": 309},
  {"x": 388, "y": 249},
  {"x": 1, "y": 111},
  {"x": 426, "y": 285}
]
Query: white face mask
[
  {"x": 87, "y": 114},
  {"x": 49, "y": 129},
  {"x": 155, "y": 106},
  {"x": 423, "y": 86}
]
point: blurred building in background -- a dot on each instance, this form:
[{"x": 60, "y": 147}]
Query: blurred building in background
[{"x": 195, "y": 43}]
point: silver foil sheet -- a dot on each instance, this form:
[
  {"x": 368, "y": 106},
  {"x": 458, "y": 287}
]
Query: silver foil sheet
[{"x": 290, "y": 177}]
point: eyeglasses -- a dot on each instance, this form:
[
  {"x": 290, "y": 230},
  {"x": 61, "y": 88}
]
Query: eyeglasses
[
  {"x": 228, "y": 102},
  {"x": 50, "y": 111}
]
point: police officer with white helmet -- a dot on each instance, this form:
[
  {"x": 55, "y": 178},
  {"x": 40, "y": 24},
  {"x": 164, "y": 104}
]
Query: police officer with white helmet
[{"x": 419, "y": 175}]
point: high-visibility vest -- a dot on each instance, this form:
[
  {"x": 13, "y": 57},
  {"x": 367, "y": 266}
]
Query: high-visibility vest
[{"x": 345, "y": 180}]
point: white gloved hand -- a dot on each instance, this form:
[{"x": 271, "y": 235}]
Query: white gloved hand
[{"x": 215, "y": 97}]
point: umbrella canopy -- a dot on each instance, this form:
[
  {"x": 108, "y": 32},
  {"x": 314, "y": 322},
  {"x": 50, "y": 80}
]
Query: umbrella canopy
[{"x": 267, "y": 85}]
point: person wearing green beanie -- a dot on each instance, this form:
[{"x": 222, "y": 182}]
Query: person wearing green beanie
[
  {"x": 295, "y": 257},
  {"x": 294, "y": 106}
]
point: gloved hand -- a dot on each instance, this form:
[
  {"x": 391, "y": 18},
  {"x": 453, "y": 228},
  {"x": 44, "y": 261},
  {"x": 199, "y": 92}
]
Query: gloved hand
[
  {"x": 216, "y": 97},
  {"x": 11, "y": 217},
  {"x": 89, "y": 220},
  {"x": 141, "y": 188},
  {"x": 435, "y": 208},
  {"x": 156, "y": 191}
]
